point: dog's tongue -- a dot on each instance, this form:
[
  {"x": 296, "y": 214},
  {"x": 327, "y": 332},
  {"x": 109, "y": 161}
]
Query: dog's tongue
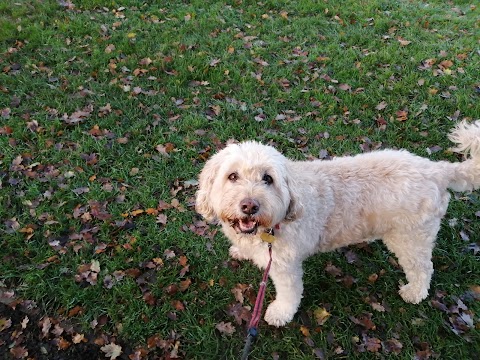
[{"x": 247, "y": 225}]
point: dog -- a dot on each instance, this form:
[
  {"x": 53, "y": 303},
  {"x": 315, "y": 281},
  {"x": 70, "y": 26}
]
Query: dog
[{"x": 318, "y": 206}]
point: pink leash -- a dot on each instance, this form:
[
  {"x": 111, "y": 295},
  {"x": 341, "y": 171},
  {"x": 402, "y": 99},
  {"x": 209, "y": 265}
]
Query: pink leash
[{"x": 257, "y": 310}]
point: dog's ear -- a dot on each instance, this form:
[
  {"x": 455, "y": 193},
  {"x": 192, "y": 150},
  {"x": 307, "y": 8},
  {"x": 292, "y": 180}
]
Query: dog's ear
[
  {"x": 295, "y": 208},
  {"x": 206, "y": 178}
]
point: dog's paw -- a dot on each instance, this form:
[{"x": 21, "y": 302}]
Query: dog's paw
[
  {"x": 279, "y": 314},
  {"x": 236, "y": 253},
  {"x": 412, "y": 294}
]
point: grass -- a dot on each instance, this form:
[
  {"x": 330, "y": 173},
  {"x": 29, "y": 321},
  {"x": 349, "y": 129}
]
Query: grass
[{"x": 306, "y": 76}]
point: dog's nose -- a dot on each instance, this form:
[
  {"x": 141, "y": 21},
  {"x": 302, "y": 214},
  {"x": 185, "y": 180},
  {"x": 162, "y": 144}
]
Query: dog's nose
[{"x": 249, "y": 206}]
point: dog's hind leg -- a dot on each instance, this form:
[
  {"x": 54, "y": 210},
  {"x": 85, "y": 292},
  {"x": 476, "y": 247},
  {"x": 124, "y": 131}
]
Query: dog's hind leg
[{"x": 414, "y": 253}]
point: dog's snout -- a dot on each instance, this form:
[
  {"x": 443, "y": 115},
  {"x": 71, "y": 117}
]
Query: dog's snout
[{"x": 249, "y": 206}]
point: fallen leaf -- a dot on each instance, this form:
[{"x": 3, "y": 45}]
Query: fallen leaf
[
  {"x": 95, "y": 266},
  {"x": 78, "y": 338},
  {"x": 185, "y": 284},
  {"x": 178, "y": 305},
  {"x": 445, "y": 64},
  {"x": 304, "y": 330},
  {"x": 403, "y": 42},
  {"x": 23, "y": 323},
  {"x": 239, "y": 312},
  {"x": 372, "y": 344},
  {"x": 5, "y": 324},
  {"x": 137, "y": 212},
  {"x": 321, "y": 315},
  {"x": 402, "y": 115},
  {"x": 5, "y": 113},
  {"x": 333, "y": 270},
  {"x": 46, "y": 324},
  {"x": 381, "y": 105},
  {"x": 392, "y": 346},
  {"x": 214, "y": 62},
  {"x": 112, "y": 350},
  {"x": 377, "y": 306},
  {"x": 19, "y": 352},
  {"x": 161, "y": 219},
  {"x": 225, "y": 328},
  {"x": 238, "y": 291},
  {"x": 76, "y": 310}
]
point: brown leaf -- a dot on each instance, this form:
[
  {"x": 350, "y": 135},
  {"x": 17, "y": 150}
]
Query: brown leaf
[
  {"x": 165, "y": 149},
  {"x": 178, "y": 305},
  {"x": 63, "y": 344},
  {"x": 185, "y": 284},
  {"x": 149, "y": 298},
  {"x": 145, "y": 61},
  {"x": 445, "y": 64},
  {"x": 304, "y": 330},
  {"x": 225, "y": 328},
  {"x": 402, "y": 41},
  {"x": 438, "y": 305},
  {"x": 76, "y": 310},
  {"x": 372, "y": 344},
  {"x": 171, "y": 289},
  {"x": 392, "y": 346},
  {"x": 162, "y": 205},
  {"x": 109, "y": 48},
  {"x": 183, "y": 260},
  {"x": 19, "y": 352},
  {"x": 151, "y": 211},
  {"x": 364, "y": 320},
  {"x": 377, "y": 306},
  {"x": 58, "y": 330},
  {"x": 46, "y": 324},
  {"x": 239, "y": 312},
  {"x": 98, "y": 210},
  {"x": 238, "y": 292},
  {"x": 161, "y": 219},
  {"x": 5, "y": 323},
  {"x": 333, "y": 270},
  {"x": 402, "y": 115},
  {"x": 5, "y": 113},
  {"x": 382, "y": 105}
]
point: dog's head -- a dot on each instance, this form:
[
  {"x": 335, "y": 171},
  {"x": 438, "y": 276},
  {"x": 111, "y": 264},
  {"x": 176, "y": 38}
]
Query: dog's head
[{"x": 246, "y": 186}]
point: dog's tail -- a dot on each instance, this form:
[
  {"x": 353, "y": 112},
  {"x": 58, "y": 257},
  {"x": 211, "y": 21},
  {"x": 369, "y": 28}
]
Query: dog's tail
[{"x": 466, "y": 175}]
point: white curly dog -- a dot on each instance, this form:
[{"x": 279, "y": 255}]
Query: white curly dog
[{"x": 318, "y": 206}]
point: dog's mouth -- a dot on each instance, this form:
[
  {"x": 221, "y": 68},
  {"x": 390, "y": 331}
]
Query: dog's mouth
[{"x": 245, "y": 225}]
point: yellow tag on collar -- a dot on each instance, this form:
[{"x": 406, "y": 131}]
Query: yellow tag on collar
[{"x": 267, "y": 237}]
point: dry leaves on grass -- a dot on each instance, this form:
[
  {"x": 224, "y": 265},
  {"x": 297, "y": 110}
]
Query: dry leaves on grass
[{"x": 112, "y": 350}]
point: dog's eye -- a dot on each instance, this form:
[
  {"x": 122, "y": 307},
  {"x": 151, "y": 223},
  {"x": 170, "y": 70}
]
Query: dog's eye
[
  {"x": 268, "y": 179},
  {"x": 233, "y": 177}
]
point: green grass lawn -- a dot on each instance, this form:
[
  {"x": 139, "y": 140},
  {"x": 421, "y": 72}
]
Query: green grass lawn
[{"x": 108, "y": 111}]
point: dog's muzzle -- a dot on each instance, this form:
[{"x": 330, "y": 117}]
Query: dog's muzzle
[{"x": 245, "y": 225}]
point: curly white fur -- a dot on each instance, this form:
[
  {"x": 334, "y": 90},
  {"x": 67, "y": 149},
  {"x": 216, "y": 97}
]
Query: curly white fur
[{"x": 323, "y": 205}]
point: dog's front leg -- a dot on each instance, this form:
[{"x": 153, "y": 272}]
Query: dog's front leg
[{"x": 289, "y": 288}]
